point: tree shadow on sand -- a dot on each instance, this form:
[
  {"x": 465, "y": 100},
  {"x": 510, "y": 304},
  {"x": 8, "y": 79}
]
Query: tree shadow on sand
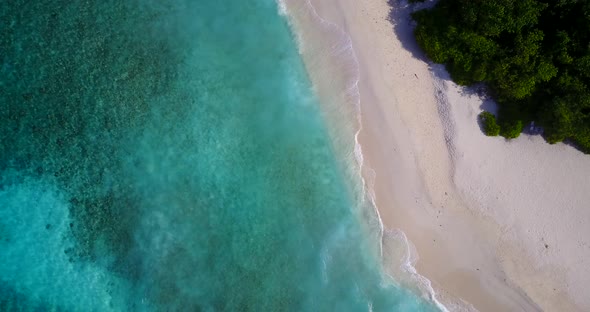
[
  {"x": 400, "y": 17},
  {"x": 403, "y": 25}
]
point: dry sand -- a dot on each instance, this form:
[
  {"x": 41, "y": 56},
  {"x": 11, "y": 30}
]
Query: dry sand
[{"x": 501, "y": 226}]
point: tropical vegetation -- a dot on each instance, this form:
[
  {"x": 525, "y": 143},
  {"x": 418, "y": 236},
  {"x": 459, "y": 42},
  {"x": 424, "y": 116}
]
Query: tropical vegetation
[{"x": 533, "y": 55}]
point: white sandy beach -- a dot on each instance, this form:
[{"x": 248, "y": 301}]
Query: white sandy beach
[{"x": 497, "y": 225}]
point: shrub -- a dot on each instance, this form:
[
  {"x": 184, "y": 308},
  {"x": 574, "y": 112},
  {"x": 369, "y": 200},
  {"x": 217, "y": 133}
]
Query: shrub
[
  {"x": 488, "y": 121},
  {"x": 511, "y": 129}
]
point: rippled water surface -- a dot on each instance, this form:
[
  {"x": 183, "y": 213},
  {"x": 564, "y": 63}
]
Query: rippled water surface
[{"x": 171, "y": 156}]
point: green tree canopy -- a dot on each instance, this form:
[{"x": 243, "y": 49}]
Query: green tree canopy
[{"x": 534, "y": 56}]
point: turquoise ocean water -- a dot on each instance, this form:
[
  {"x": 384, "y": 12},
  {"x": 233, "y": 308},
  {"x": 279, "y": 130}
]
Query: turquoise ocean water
[{"x": 171, "y": 156}]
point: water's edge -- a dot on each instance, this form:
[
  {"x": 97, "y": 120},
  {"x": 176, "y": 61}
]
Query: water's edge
[
  {"x": 391, "y": 243},
  {"x": 172, "y": 157}
]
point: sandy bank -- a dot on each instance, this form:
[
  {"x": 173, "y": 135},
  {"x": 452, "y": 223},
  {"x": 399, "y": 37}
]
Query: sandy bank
[{"x": 501, "y": 225}]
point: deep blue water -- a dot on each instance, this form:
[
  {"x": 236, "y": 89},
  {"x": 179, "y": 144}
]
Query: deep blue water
[{"x": 171, "y": 156}]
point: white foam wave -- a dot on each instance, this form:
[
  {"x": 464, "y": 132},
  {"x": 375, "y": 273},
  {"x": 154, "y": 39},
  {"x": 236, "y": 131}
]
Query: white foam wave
[
  {"x": 342, "y": 50},
  {"x": 282, "y": 6},
  {"x": 402, "y": 259}
]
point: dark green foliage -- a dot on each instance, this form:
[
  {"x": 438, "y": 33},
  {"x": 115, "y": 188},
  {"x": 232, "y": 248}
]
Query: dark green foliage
[
  {"x": 511, "y": 129},
  {"x": 490, "y": 127},
  {"x": 534, "y": 56}
]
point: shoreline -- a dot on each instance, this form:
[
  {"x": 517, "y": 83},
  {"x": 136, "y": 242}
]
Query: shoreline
[
  {"x": 474, "y": 249},
  {"x": 335, "y": 40}
]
